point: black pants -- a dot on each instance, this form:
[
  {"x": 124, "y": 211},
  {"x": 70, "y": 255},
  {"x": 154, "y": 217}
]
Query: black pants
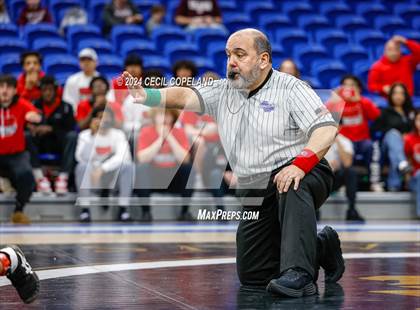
[
  {"x": 348, "y": 178},
  {"x": 63, "y": 144},
  {"x": 154, "y": 179},
  {"x": 285, "y": 234},
  {"x": 17, "y": 168}
]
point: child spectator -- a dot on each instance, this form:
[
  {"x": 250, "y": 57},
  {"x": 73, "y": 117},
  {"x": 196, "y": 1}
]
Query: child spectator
[
  {"x": 199, "y": 14},
  {"x": 157, "y": 14},
  {"x": 15, "y": 163},
  {"x": 34, "y": 13},
  {"x": 104, "y": 158},
  {"x": 394, "y": 67},
  {"x": 355, "y": 111},
  {"x": 77, "y": 88},
  {"x": 56, "y": 132},
  {"x": 98, "y": 87},
  {"x": 395, "y": 121},
  {"x": 4, "y": 16},
  {"x": 412, "y": 150},
  {"x": 289, "y": 66},
  {"x": 120, "y": 12},
  {"x": 28, "y": 80},
  {"x": 164, "y": 160}
]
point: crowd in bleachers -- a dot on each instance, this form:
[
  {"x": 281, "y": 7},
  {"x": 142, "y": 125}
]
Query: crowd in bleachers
[{"x": 65, "y": 105}]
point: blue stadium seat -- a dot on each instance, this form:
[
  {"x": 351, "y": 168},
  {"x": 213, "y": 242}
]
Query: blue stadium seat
[
  {"x": 288, "y": 37},
  {"x": 334, "y": 10},
  {"x": 101, "y": 46},
  {"x": 216, "y": 51},
  {"x": 157, "y": 62},
  {"x": 121, "y": 33},
  {"x": 349, "y": 54},
  {"x": 59, "y": 6},
  {"x": 164, "y": 35},
  {"x": 415, "y": 22},
  {"x": 294, "y": 9},
  {"x": 369, "y": 38},
  {"x": 327, "y": 70},
  {"x": 256, "y": 9},
  {"x": 351, "y": 23},
  {"x": 270, "y": 22},
  {"x": 61, "y": 78},
  {"x": 110, "y": 65},
  {"x": 312, "y": 81},
  {"x": 278, "y": 54},
  {"x": 370, "y": 10},
  {"x": 203, "y": 36},
  {"x": 8, "y": 30},
  {"x": 144, "y": 48},
  {"x": 389, "y": 23},
  {"x": 145, "y": 5},
  {"x": 10, "y": 63},
  {"x": 407, "y": 10},
  {"x": 312, "y": 22},
  {"x": 408, "y": 33},
  {"x": 330, "y": 37},
  {"x": 361, "y": 69},
  {"x": 15, "y": 7},
  {"x": 12, "y": 45},
  {"x": 61, "y": 63},
  {"x": 237, "y": 21},
  {"x": 181, "y": 51},
  {"x": 77, "y": 33},
  {"x": 32, "y": 32},
  {"x": 308, "y": 53},
  {"x": 95, "y": 10},
  {"x": 50, "y": 46},
  {"x": 203, "y": 64}
]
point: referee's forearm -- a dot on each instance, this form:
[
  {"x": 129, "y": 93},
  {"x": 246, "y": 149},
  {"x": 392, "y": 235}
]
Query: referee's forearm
[
  {"x": 182, "y": 98},
  {"x": 321, "y": 140}
]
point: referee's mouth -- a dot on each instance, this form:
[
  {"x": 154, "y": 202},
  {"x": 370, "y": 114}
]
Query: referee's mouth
[{"x": 233, "y": 75}]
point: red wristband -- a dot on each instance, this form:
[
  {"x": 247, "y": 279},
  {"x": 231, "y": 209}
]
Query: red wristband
[
  {"x": 306, "y": 160},
  {"x": 5, "y": 262}
]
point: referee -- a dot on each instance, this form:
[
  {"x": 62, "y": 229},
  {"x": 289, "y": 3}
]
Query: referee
[{"x": 275, "y": 131}]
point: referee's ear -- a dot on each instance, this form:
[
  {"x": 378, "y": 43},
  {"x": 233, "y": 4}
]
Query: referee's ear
[{"x": 265, "y": 60}]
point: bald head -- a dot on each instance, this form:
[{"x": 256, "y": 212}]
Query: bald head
[{"x": 261, "y": 42}]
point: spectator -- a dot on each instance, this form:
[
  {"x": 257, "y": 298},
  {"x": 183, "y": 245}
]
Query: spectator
[
  {"x": 34, "y": 13},
  {"x": 55, "y": 133},
  {"x": 104, "y": 157},
  {"x": 120, "y": 12},
  {"x": 355, "y": 111},
  {"x": 289, "y": 66},
  {"x": 4, "y": 16},
  {"x": 340, "y": 158},
  {"x": 15, "y": 164},
  {"x": 75, "y": 15},
  {"x": 98, "y": 88},
  {"x": 396, "y": 121},
  {"x": 412, "y": 150},
  {"x": 198, "y": 14},
  {"x": 28, "y": 80},
  {"x": 157, "y": 14},
  {"x": 133, "y": 64},
  {"x": 394, "y": 67},
  {"x": 164, "y": 160},
  {"x": 77, "y": 88}
]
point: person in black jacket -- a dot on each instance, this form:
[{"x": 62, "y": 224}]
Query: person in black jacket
[
  {"x": 120, "y": 12},
  {"x": 395, "y": 121},
  {"x": 56, "y": 133}
]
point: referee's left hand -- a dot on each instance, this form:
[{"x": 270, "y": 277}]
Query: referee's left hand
[{"x": 286, "y": 176}]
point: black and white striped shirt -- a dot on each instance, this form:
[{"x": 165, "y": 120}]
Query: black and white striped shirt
[{"x": 267, "y": 128}]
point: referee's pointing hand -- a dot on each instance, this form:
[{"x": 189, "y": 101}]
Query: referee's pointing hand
[
  {"x": 286, "y": 176},
  {"x": 135, "y": 88}
]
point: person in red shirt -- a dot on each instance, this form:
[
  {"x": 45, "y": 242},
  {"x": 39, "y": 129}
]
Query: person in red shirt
[
  {"x": 28, "y": 80},
  {"x": 412, "y": 150},
  {"x": 355, "y": 112},
  {"x": 119, "y": 91},
  {"x": 164, "y": 160},
  {"x": 198, "y": 14},
  {"x": 15, "y": 163},
  {"x": 34, "y": 13},
  {"x": 99, "y": 87},
  {"x": 394, "y": 67}
]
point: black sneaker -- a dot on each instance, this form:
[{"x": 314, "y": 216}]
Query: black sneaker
[
  {"x": 293, "y": 283},
  {"x": 353, "y": 215},
  {"x": 331, "y": 256},
  {"x": 23, "y": 278}
]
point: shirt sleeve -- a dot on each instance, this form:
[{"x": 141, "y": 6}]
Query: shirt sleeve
[
  {"x": 307, "y": 109},
  {"x": 209, "y": 97}
]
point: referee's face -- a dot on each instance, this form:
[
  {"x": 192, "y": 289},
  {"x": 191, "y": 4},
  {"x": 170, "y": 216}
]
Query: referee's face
[{"x": 243, "y": 61}]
